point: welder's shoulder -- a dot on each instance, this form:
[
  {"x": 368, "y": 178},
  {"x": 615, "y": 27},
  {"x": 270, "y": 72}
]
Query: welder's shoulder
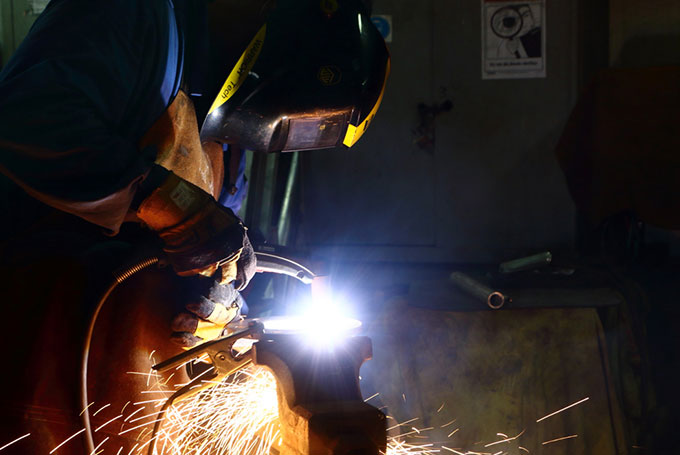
[
  {"x": 107, "y": 52},
  {"x": 74, "y": 27}
]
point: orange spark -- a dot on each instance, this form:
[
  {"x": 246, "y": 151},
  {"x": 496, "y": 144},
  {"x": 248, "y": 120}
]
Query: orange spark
[
  {"x": 507, "y": 439},
  {"x": 85, "y": 408},
  {"x": 160, "y": 400},
  {"x": 403, "y": 423},
  {"x": 153, "y": 414},
  {"x": 99, "y": 445},
  {"x": 453, "y": 432},
  {"x": 67, "y": 440},
  {"x": 138, "y": 426},
  {"x": 237, "y": 415},
  {"x": 572, "y": 436},
  {"x": 16, "y": 440},
  {"x": 372, "y": 396},
  {"x": 404, "y": 448},
  {"x": 563, "y": 409},
  {"x": 104, "y": 424},
  {"x": 101, "y": 409},
  {"x": 128, "y": 417},
  {"x": 448, "y": 423}
]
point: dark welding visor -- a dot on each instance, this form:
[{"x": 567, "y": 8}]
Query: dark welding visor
[{"x": 311, "y": 78}]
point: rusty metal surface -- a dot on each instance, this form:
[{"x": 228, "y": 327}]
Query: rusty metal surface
[
  {"x": 321, "y": 410},
  {"x": 496, "y": 372}
]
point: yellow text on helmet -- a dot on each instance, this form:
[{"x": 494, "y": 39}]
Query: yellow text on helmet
[{"x": 241, "y": 70}]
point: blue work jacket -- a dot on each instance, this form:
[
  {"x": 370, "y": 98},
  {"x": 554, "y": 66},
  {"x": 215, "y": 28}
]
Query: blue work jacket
[{"x": 81, "y": 90}]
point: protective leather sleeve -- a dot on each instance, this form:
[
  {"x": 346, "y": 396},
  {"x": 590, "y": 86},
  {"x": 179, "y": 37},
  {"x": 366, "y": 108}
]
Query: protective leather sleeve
[{"x": 77, "y": 96}]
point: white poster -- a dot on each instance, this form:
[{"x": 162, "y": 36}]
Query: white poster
[
  {"x": 38, "y": 6},
  {"x": 513, "y": 39}
]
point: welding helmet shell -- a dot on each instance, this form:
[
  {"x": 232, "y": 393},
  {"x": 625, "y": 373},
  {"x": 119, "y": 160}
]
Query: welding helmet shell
[{"x": 312, "y": 77}]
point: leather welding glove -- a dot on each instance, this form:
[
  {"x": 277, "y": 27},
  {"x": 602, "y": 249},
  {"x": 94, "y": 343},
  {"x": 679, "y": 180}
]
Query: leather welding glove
[
  {"x": 210, "y": 307},
  {"x": 200, "y": 236}
]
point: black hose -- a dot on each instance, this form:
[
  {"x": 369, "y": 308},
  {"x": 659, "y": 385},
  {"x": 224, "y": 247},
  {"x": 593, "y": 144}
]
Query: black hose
[{"x": 118, "y": 277}]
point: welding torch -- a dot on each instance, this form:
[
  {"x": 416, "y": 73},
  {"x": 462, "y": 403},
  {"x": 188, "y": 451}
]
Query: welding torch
[
  {"x": 270, "y": 262},
  {"x": 273, "y": 263}
]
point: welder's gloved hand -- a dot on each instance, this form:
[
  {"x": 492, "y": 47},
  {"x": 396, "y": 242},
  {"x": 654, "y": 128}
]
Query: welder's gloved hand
[
  {"x": 200, "y": 236},
  {"x": 209, "y": 309},
  {"x": 238, "y": 271}
]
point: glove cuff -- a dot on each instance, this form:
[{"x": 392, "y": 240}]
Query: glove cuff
[
  {"x": 197, "y": 232},
  {"x": 172, "y": 203}
]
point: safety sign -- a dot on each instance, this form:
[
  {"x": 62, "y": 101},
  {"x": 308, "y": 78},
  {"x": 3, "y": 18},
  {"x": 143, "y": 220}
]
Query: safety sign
[
  {"x": 513, "y": 39},
  {"x": 383, "y": 22}
]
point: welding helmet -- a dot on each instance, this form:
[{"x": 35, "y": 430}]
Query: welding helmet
[{"x": 312, "y": 77}]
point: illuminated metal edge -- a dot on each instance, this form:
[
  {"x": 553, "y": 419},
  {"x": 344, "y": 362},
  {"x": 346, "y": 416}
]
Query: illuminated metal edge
[{"x": 301, "y": 325}]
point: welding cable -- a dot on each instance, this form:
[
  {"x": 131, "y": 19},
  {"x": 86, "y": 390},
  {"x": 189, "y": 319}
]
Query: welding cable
[{"x": 119, "y": 277}]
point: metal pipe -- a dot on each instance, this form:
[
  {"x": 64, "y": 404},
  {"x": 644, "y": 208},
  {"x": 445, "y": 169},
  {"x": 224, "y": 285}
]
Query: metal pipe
[
  {"x": 526, "y": 263},
  {"x": 494, "y": 299}
]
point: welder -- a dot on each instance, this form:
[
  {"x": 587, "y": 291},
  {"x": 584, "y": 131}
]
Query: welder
[{"x": 112, "y": 139}]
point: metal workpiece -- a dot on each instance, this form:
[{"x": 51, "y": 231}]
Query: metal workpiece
[
  {"x": 321, "y": 410},
  {"x": 534, "y": 261},
  {"x": 494, "y": 299}
]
